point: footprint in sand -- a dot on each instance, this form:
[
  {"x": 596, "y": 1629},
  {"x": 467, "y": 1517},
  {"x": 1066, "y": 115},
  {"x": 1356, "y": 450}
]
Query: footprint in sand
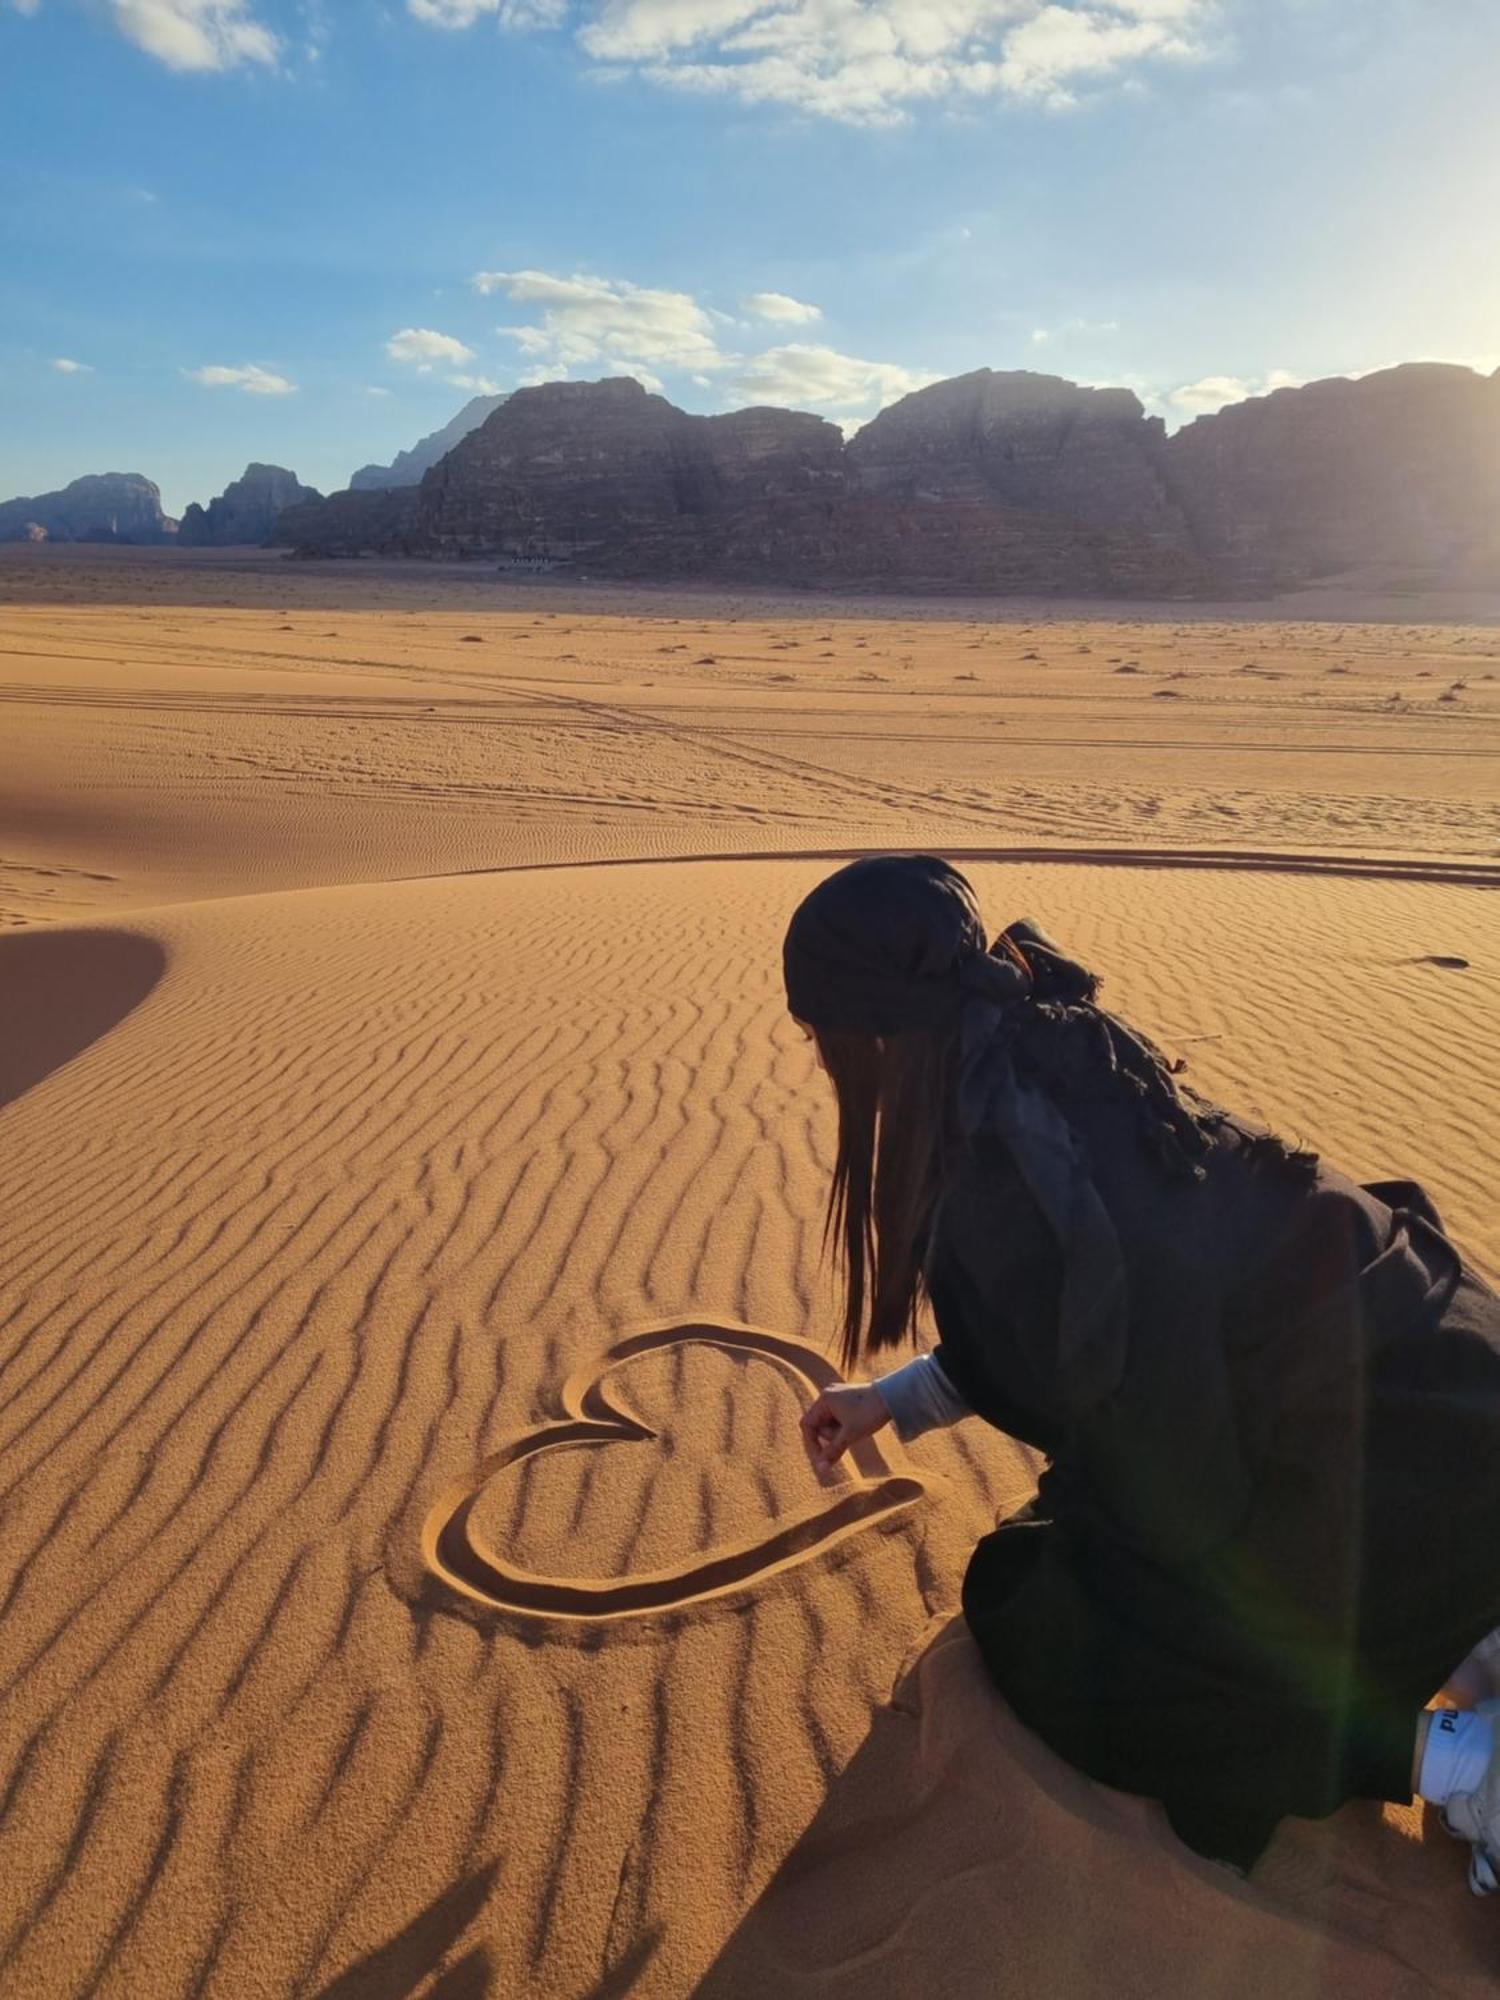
[{"x": 456, "y": 1551}]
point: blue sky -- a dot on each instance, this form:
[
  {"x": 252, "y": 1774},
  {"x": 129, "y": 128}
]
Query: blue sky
[{"x": 305, "y": 232}]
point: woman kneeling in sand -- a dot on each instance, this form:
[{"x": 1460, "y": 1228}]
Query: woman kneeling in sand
[{"x": 1269, "y": 1397}]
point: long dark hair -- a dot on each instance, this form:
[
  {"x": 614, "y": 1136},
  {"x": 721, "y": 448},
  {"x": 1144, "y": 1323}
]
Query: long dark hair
[{"x": 899, "y": 1142}]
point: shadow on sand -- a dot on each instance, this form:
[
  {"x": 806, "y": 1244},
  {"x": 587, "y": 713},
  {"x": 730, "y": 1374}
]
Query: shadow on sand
[
  {"x": 957, "y": 1855},
  {"x": 396, "y": 1969},
  {"x": 60, "y": 991}
]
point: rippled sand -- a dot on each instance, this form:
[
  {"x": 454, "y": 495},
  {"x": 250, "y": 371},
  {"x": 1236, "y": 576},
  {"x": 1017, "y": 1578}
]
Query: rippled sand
[{"x": 382, "y": 1052}]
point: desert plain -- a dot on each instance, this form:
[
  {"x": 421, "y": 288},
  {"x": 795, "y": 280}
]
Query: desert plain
[{"x": 393, "y": 1064}]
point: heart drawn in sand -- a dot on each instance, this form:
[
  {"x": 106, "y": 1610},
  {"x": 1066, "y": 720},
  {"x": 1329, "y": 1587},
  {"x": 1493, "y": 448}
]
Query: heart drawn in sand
[{"x": 455, "y": 1549}]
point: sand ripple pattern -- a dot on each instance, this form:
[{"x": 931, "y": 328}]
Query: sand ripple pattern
[{"x": 332, "y": 1212}]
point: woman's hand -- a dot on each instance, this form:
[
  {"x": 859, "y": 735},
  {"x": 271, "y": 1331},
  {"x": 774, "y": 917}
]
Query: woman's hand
[{"x": 839, "y": 1418}]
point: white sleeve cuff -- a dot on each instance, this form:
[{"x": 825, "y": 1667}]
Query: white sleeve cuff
[{"x": 921, "y": 1398}]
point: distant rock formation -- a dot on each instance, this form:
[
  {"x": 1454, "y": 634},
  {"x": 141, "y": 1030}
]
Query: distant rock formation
[
  {"x": 581, "y": 468},
  {"x": 246, "y": 511},
  {"x": 606, "y": 475},
  {"x": 1021, "y": 440},
  {"x": 1065, "y": 460},
  {"x": 378, "y": 522},
  {"x": 100, "y": 507},
  {"x": 1396, "y": 475},
  {"x": 407, "y": 467},
  {"x": 1002, "y": 483}
]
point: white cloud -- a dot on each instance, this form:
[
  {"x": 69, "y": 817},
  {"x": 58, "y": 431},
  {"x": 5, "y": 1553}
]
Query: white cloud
[
  {"x": 1040, "y": 335},
  {"x": 1213, "y": 392},
  {"x": 188, "y": 34},
  {"x": 1043, "y": 57},
  {"x": 421, "y": 348},
  {"x": 818, "y": 378},
  {"x": 630, "y": 329},
  {"x": 196, "y": 34},
  {"x": 254, "y": 381},
  {"x": 865, "y": 61},
  {"x": 66, "y": 367},
  {"x": 589, "y": 325},
  {"x": 509, "y": 13},
  {"x": 777, "y": 306},
  {"x": 478, "y": 385},
  {"x": 641, "y": 30},
  {"x": 372, "y": 389}
]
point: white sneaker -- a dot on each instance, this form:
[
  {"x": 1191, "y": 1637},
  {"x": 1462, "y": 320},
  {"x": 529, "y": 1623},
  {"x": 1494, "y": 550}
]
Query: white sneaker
[{"x": 1475, "y": 1817}]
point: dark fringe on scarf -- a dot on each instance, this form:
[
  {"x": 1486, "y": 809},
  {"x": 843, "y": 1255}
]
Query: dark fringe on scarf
[{"x": 1079, "y": 1050}]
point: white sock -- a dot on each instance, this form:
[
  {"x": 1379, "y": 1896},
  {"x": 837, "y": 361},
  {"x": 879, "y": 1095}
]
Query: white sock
[{"x": 1460, "y": 1744}]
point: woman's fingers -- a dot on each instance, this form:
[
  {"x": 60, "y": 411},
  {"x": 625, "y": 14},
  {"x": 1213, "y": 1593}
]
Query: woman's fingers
[
  {"x": 829, "y": 1449},
  {"x": 824, "y": 1433},
  {"x": 838, "y": 1419},
  {"x": 818, "y": 1412},
  {"x": 816, "y": 1420}
]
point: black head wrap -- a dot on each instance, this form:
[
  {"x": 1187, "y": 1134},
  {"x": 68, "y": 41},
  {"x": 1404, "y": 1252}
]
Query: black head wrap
[{"x": 889, "y": 945}]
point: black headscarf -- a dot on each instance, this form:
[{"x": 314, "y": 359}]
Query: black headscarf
[
  {"x": 891, "y": 944},
  {"x": 894, "y": 944}
]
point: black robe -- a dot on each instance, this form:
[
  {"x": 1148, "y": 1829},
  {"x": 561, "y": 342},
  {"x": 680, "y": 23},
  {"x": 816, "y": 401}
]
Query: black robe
[{"x": 1250, "y": 1566}]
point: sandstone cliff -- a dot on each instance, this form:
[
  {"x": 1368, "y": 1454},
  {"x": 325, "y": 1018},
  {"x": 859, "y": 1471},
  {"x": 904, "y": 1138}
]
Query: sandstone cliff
[
  {"x": 1022, "y": 440},
  {"x": 100, "y": 507},
  {"x": 246, "y": 511},
  {"x": 407, "y": 467},
  {"x": 577, "y": 469},
  {"x": 1396, "y": 475},
  {"x": 603, "y": 473},
  {"x": 992, "y": 482},
  {"x": 896, "y": 546},
  {"x": 378, "y": 522}
]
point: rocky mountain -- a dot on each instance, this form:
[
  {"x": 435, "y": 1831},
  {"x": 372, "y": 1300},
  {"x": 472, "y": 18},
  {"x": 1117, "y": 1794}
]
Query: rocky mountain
[
  {"x": 1397, "y": 474},
  {"x": 246, "y": 511},
  {"x": 378, "y": 522},
  {"x": 573, "y": 468},
  {"x": 605, "y": 474},
  {"x": 100, "y": 507},
  {"x": 407, "y": 467},
  {"x": 992, "y": 482},
  {"x": 1021, "y": 440}
]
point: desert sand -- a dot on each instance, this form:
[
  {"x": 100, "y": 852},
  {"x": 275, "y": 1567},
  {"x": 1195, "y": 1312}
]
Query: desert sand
[{"x": 394, "y": 1067}]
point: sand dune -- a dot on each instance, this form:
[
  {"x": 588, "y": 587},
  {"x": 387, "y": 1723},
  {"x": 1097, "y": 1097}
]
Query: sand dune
[
  {"x": 155, "y": 751},
  {"x": 323, "y": 1203},
  {"x": 334, "y": 1210}
]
